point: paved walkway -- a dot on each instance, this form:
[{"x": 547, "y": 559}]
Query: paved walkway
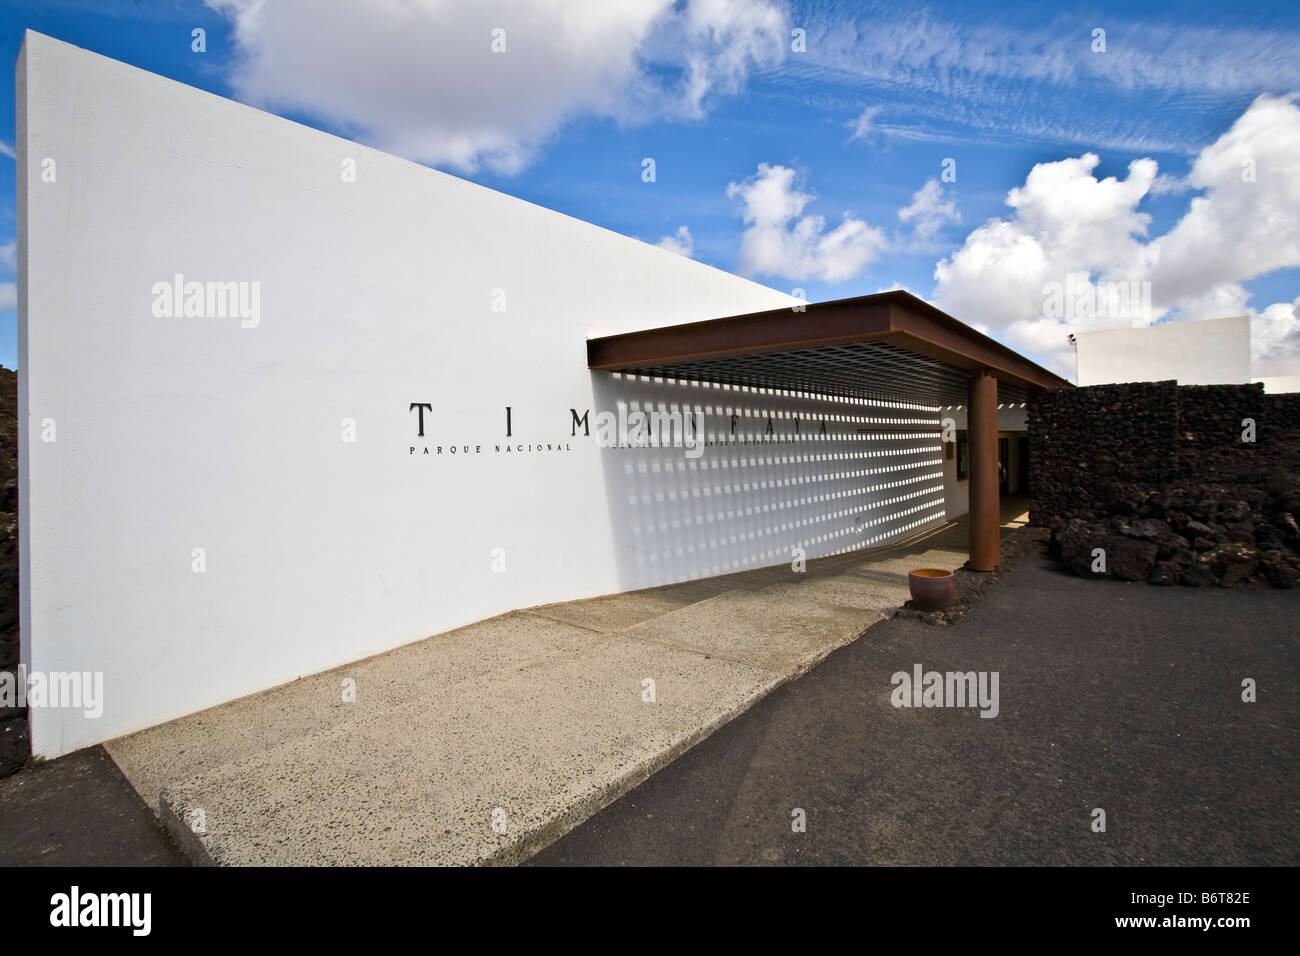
[
  {"x": 486, "y": 743},
  {"x": 1116, "y": 696},
  {"x": 79, "y": 811}
]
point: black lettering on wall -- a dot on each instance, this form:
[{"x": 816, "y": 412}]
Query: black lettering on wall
[
  {"x": 421, "y": 406},
  {"x": 586, "y": 428}
]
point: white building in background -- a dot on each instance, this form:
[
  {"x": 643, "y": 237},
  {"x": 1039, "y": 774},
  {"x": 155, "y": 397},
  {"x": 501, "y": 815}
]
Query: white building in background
[
  {"x": 1205, "y": 352},
  {"x": 1276, "y": 384},
  {"x": 1209, "y": 352}
]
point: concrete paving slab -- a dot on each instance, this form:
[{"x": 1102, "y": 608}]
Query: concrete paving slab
[
  {"x": 848, "y": 590},
  {"x": 213, "y": 737},
  {"x": 542, "y": 720},
  {"x": 614, "y": 612},
  {"x": 773, "y": 629}
]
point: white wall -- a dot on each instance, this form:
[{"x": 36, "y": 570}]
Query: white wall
[
  {"x": 956, "y": 494},
  {"x": 1277, "y": 384},
  {"x": 177, "y": 434},
  {"x": 1012, "y": 421},
  {"x": 771, "y": 485},
  {"x": 1208, "y": 352}
]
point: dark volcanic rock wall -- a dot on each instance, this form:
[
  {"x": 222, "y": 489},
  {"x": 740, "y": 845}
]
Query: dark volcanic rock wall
[
  {"x": 1090, "y": 447},
  {"x": 1164, "y": 480},
  {"x": 8, "y": 519},
  {"x": 14, "y": 745},
  {"x": 1210, "y": 417}
]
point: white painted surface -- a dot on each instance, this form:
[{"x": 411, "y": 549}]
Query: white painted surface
[
  {"x": 1277, "y": 384},
  {"x": 177, "y": 434},
  {"x": 1012, "y": 421},
  {"x": 956, "y": 493},
  {"x": 1208, "y": 352}
]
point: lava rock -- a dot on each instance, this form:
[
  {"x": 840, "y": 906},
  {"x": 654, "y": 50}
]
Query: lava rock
[
  {"x": 1164, "y": 574},
  {"x": 1231, "y": 563},
  {"x": 1129, "y": 559},
  {"x": 1281, "y": 570}
]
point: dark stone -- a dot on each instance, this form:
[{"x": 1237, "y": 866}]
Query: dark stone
[
  {"x": 1129, "y": 559},
  {"x": 1073, "y": 546},
  {"x": 1281, "y": 570},
  {"x": 1146, "y": 529},
  {"x": 1242, "y": 533},
  {"x": 1170, "y": 545},
  {"x": 15, "y": 746},
  {"x": 1198, "y": 575},
  {"x": 1164, "y": 574},
  {"x": 1267, "y": 537},
  {"x": 1120, "y": 506},
  {"x": 1232, "y": 563},
  {"x": 1232, "y": 511}
]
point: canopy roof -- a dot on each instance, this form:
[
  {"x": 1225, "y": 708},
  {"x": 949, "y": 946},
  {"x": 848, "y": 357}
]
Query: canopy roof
[{"x": 890, "y": 345}]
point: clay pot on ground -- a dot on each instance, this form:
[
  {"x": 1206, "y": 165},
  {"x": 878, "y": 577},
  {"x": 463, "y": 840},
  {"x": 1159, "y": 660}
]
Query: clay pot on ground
[{"x": 933, "y": 589}]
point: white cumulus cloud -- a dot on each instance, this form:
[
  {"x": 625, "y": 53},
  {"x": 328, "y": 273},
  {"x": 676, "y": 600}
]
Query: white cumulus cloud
[
  {"x": 680, "y": 242},
  {"x": 928, "y": 211},
  {"x": 1247, "y": 223},
  {"x": 780, "y": 241},
  {"x": 1074, "y": 232},
  {"x": 1275, "y": 340},
  {"x": 420, "y": 78}
]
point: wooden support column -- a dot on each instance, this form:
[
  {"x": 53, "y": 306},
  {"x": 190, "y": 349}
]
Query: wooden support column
[{"x": 982, "y": 429}]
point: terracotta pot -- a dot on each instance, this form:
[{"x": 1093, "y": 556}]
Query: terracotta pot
[{"x": 932, "y": 588}]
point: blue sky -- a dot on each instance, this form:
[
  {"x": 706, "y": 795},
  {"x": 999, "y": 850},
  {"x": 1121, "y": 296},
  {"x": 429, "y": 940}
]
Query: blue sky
[{"x": 818, "y": 169}]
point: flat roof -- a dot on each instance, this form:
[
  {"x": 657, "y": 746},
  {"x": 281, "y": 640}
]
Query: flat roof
[{"x": 890, "y": 345}]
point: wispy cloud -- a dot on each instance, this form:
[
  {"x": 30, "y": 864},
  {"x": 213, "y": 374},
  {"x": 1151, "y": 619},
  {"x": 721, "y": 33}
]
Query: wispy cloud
[
  {"x": 7, "y": 150},
  {"x": 963, "y": 81},
  {"x": 864, "y": 125}
]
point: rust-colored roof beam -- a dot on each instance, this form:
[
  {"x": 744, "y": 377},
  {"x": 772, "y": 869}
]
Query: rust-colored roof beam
[{"x": 898, "y": 318}]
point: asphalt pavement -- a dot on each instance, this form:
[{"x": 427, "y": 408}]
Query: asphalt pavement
[
  {"x": 79, "y": 811},
  {"x": 1123, "y": 698}
]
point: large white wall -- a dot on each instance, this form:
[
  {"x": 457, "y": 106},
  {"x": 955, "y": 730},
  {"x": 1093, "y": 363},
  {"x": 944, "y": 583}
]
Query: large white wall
[
  {"x": 177, "y": 434},
  {"x": 1207, "y": 352}
]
